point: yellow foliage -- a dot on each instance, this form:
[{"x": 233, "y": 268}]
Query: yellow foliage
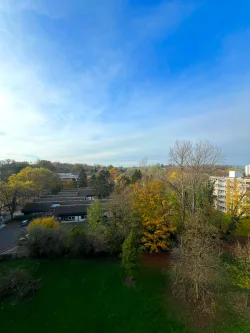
[
  {"x": 46, "y": 222},
  {"x": 149, "y": 203}
]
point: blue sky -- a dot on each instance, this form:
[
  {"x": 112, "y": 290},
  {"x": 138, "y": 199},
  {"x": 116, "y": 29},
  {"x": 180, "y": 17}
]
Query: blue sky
[{"x": 117, "y": 81}]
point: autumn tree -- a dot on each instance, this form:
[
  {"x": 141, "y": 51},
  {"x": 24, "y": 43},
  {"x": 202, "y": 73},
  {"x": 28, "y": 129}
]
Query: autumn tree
[
  {"x": 149, "y": 204},
  {"x": 113, "y": 173},
  {"x": 82, "y": 179},
  {"x": 239, "y": 211},
  {"x": 14, "y": 192},
  {"x": 43, "y": 179}
]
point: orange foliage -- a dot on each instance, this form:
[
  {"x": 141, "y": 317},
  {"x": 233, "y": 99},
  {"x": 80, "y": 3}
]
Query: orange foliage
[
  {"x": 149, "y": 203},
  {"x": 113, "y": 173}
]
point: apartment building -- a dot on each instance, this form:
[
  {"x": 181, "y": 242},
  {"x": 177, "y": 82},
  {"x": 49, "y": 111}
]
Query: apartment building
[
  {"x": 232, "y": 192},
  {"x": 247, "y": 170}
]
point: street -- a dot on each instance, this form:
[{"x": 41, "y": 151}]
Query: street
[{"x": 9, "y": 235}]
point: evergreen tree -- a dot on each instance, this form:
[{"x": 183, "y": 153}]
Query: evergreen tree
[
  {"x": 82, "y": 179},
  {"x": 101, "y": 184},
  {"x": 136, "y": 176}
]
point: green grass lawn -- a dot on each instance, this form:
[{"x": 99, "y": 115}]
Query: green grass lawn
[{"x": 89, "y": 296}]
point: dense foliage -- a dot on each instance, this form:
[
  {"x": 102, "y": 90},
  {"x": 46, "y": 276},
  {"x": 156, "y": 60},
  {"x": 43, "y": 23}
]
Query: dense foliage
[
  {"x": 130, "y": 255},
  {"x": 148, "y": 202}
]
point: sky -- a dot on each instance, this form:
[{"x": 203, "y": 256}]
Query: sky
[{"x": 118, "y": 81}]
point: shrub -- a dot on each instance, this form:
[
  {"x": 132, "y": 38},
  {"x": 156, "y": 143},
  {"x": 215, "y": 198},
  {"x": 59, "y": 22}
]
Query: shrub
[
  {"x": 46, "y": 242},
  {"x": 114, "y": 238},
  {"x": 47, "y": 222},
  {"x": 78, "y": 242},
  {"x": 130, "y": 254},
  {"x": 17, "y": 283}
]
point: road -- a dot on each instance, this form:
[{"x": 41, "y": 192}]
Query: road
[{"x": 9, "y": 235}]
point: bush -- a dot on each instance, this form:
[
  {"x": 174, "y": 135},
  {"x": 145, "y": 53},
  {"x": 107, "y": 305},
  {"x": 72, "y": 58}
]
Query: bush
[
  {"x": 114, "y": 239},
  {"x": 78, "y": 242},
  {"x": 17, "y": 283},
  {"x": 46, "y": 242},
  {"x": 46, "y": 222},
  {"x": 130, "y": 254}
]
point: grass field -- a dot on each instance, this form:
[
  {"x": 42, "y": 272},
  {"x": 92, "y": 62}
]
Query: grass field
[{"x": 89, "y": 296}]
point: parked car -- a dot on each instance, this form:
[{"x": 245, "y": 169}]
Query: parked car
[{"x": 25, "y": 223}]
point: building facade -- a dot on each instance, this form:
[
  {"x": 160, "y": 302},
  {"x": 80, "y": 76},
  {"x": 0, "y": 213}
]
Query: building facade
[
  {"x": 247, "y": 170},
  {"x": 232, "y": 193},
  {"x": 67, "y": 176}
]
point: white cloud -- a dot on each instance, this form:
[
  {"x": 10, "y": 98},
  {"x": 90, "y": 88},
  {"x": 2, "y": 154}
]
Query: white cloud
[{"x": 77, "y": 117}]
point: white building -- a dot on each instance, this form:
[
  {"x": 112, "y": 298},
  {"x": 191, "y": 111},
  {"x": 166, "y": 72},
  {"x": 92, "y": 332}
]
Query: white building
[
  {"x": 67, "y": 176},
  {"x": 229, "y": 190},
  {"x": 247, "y": 170},
  {"x": 235, "y": 174}
]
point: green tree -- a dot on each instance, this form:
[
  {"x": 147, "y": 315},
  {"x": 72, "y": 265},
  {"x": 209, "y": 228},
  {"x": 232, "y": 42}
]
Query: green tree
[
  {"x": 96, "y": 225},
  {"x": 45, "y": 164},
  {"x": 82, "y": 179},
  {"x": 136, "y": 176},
  {"x": 102, "y": 184},
  {"x": 130, "y": 254}
]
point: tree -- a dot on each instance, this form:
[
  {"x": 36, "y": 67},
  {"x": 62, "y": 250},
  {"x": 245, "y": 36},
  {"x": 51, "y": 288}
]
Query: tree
[
  {"x": 82, "y": 179},
  {"x": 101, "y": 184},
  {"x": 130, "y": 255},
  {"x": 96, "y": 225},
  {"x": 191, "y": 161},
  {"x": 43, "y": 179},
  {"x": 122, "y": 182},
  {"x": 45, "y": 164},
  {"x": 136, "y": 176},
  {"x": 14, "y": 192},
  {"x": 123, "y": 218},
  {"x": 149, "y": 204},
  {"x": 113, "y": 173},
  {"x": 10, "y": 167},
  {"x": 196, "y": 271},
  {"x": 29, "y": 182}
]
